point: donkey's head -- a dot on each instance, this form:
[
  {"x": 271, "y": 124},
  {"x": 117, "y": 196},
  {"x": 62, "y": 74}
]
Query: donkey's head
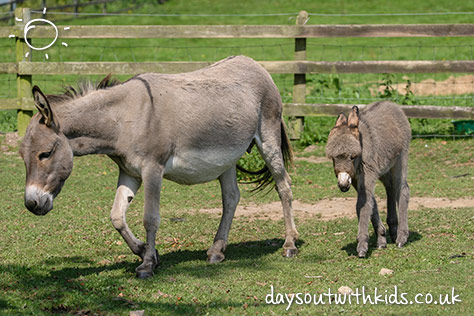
[
  {"x": 47, "y": 155},
  {"x": 344, "y": 148}
]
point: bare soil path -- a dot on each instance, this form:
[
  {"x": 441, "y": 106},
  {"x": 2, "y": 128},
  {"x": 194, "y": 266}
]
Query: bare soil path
[{"x": 335, "y": 208}]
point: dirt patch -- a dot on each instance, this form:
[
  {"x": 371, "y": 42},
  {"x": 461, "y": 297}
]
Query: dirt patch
[
  {"x": 9, "y": 145},
  {"x": 313, "y": 159},
  {"x": 334, "y": 208},
  {"x": 310, "y": 148},
  {"x": 451, "y": 86}
]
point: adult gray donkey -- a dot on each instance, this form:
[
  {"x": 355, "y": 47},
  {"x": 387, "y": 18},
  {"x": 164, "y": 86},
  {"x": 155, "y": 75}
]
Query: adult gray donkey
[
  {"x": 189, "y": 128},
  {"x": 369, "y": 146}
]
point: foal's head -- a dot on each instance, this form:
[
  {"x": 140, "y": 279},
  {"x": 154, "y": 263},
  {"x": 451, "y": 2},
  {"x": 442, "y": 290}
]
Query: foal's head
[
  {"x": 344, "y": 148},
  {"x": 47, "y": 155}
]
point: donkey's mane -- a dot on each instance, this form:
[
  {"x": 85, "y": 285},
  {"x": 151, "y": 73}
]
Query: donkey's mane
[{"x": 83, "y": 88}]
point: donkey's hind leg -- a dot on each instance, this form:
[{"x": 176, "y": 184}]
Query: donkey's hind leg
[
  {"x": 230, "y": 199},
  {"x": 392, "y": 217},
  {"x": 398, "y": 194},
  {"x": 126, "y": 189},
  {"x": 272, "y": 154},
  {"x": 402, "y": 197}
]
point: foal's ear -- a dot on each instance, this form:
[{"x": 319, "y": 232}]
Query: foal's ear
[
  {"x": 341, "y": 120},
  {"x": 42, "y": 104},
  {"x": 353, "y": 121}
]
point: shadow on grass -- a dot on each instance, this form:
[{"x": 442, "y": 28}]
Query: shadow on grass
[
  {"x": 68, "y": 291},
  {"x": 61, "y": 260},
  {"x": 351, "y": 248},
  {"x": 4, "y": 304},
  {"x": 81, "y": 283},
  {"x": 248, "y": 250}
]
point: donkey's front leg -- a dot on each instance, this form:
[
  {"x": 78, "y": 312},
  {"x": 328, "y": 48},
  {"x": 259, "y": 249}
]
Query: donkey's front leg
[
  {"x": 230, "y": 199},
  {"x": 126, "y": 189},
  {"x": 152, "y": 180},
  {"x": 364, "y": 207}
]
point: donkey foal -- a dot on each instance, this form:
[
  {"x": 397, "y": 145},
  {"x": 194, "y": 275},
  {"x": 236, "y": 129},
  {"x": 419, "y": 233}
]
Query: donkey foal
[{"x": 369, "y": 146}]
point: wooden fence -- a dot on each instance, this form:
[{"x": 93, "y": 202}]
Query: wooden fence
[{"x": 24, "y": 68}]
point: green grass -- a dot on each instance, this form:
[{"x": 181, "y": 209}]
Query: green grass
[{"x": 73, "y": 262}]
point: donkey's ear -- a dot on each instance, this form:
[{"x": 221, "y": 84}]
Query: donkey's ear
[
  {"x": 42, "y": 104},
  {"x": 353, "y": 121},
  {"x": 341, "y": 120}
]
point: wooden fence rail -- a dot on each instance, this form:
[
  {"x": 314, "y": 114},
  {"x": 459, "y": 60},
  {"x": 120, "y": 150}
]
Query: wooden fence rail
[
  {"x": 24, "y": 68},
  {"x": 250, "y": 31},
  {"x": 274, "y": 67}
]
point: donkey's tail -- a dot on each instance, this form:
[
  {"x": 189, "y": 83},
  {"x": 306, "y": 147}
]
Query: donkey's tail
[{"x": 263, "y": 176}]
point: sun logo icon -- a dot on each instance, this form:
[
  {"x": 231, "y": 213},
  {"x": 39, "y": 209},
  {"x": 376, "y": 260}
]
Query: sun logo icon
[{"x": 29, "y": 26}]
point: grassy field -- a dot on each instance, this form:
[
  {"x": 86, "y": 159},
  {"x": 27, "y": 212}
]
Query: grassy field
[{"x": 73, "y": 262}]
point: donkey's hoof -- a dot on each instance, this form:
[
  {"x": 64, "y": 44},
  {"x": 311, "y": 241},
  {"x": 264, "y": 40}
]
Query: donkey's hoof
[
  {"x": 290, "y": 252},
  {"x": 144, "y": 274},
  {"x": 215, "y": 257},
  {"x": 362, "y": 254},
  {"x": 156, "y": 259},
  {"x": 401, "y": 241}
]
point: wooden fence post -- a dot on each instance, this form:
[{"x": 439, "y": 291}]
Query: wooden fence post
[
  {"x": 12, "y": 8},
  {"x": 76, "y": 8},
  {"x": 23, "y": 82},
  {"x": 296, "y": 124}
]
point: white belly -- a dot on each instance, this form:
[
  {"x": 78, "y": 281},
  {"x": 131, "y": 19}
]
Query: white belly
[{"x": 199, "y": 166}]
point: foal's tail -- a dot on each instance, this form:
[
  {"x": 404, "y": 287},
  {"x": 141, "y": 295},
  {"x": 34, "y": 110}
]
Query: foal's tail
[{"x": 263, "y": 176}]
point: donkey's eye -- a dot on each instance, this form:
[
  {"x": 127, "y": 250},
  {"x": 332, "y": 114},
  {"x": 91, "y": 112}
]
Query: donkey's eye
[{"x": 45, "y": 155}]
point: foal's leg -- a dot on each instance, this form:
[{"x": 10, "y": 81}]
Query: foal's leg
[
  {"x": 230, "y": 199},
  {"x": 272, "y": 154},
  {"x": 152, "y": 180},
  {"x": 402, "y": 197},
  {"x": 378, "y": 227},
  {"x": 364, "y": 207},
  {"x": 126, "y": 188},
  {"x": 392, "y": 218}
]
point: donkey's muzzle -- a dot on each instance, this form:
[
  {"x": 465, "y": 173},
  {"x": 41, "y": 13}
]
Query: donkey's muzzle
[
  {"x": 37, "y": 201},
  {"x": 344, "y": 181}
]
